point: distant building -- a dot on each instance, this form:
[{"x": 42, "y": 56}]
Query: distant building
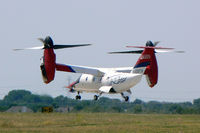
[
  {"x": 63, "y": 109},
  {"x": 19, "y": 109}
]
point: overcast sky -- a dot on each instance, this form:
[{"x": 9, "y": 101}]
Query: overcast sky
[{"x": 109, "y": 25}]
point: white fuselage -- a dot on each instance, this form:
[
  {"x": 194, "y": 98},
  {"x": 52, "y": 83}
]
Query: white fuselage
[{"x": 120, "y": 82}]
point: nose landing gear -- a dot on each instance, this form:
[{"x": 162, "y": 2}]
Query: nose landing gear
[{"x": 96, "y": 97}]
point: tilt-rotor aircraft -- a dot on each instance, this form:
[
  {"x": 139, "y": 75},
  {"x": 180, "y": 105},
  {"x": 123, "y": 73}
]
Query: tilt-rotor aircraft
[{"x": 103, "y": 80}]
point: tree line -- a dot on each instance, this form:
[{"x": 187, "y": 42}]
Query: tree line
[{"x": 36, "y": 102}]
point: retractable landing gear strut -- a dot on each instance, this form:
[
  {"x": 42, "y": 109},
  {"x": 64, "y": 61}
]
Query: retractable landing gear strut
[
  {"x": 96, "y": 97},
  {"x": 78, "y": 97},
  {"x": 126, "y": 98}
]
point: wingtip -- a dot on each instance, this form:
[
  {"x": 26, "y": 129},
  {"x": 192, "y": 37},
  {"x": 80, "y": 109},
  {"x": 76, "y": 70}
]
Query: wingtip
[
  {"x": 16, "y": 49},
  {"x": 88, "y": 44},
  {"x": 180, "y": 51}
]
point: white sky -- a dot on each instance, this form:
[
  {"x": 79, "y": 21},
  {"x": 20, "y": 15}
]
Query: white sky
[{"x": 110, "y": 25}]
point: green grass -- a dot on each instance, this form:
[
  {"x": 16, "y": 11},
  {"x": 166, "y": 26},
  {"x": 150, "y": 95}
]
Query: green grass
[{"x": 97, "y": 122}]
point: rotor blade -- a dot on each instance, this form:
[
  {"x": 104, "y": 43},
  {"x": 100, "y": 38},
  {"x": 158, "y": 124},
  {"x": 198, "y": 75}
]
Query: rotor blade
[
  {"x": 156, "y": 43},
  {"x": 57, "y": 46},
  {"x": 127, "y": 52},
  {"x": 167, "y": 51},
  {"x": 32, "y": 48},
  {"x": 41, "y": 39},
  {"x": 148, "y": 47}
]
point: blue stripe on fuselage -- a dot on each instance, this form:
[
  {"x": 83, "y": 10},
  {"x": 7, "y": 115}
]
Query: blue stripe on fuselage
[{"x": 143, "y": 64}]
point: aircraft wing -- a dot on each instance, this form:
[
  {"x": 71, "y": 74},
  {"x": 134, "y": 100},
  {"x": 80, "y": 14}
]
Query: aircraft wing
[
  {"x": 117, "y": 69},
  {"x": 91, "y": 70},
  {"x": 79, "y": 69}
]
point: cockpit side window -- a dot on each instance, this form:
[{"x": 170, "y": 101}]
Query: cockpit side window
[
  {"x": 93, "y": 79},
  {"x": 100, "y": 79},
  {"x": 78, "y": 80}
]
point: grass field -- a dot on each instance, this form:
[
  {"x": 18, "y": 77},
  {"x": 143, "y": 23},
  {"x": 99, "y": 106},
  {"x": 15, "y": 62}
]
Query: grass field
[{"x": 97, "y": 122}]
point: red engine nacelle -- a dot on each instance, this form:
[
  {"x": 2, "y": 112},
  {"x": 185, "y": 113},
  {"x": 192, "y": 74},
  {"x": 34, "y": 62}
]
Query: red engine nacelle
[
  {"x": 48, "y": 65},
  {"x": 152, "y": 72},
  {"x": 148, "y": 59}
]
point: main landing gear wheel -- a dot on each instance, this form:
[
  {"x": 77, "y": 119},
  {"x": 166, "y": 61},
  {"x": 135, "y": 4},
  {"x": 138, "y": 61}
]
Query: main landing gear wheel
[
  {"x": 78, "y": 97},
  {"x": 96, "y": 97},
  {"x": 126, "y": 98}
]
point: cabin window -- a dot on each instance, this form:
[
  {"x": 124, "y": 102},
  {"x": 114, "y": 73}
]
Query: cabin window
[
  {"x": 86, "y": 79},
  {"x": 93, "y": 79},
  {"x": 100, "y": 79}
]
